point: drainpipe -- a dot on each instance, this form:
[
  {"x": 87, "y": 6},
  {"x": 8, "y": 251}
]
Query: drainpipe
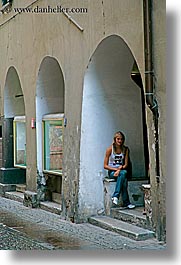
[{"x": 149, "y": 77}]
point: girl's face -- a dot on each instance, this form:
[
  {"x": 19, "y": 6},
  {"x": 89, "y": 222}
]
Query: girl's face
[{"x": 119, "y": 140}]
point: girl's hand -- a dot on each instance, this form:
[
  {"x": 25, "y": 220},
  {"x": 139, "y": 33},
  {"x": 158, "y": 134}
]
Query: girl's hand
[
  {"x": 116, "y": 174},
  {"x": 121, "y": 167}
]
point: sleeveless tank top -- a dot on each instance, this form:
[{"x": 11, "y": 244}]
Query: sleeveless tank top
[{"x": 116, "y": 160}]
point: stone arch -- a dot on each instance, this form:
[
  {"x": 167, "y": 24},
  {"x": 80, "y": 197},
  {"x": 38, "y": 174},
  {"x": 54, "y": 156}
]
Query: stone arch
[
  {"x": 13, "y": 95},
  {"x": 49, "y": 100},
  {"x": 13, "y": 140},
  {"x": 112, "y": 101}
]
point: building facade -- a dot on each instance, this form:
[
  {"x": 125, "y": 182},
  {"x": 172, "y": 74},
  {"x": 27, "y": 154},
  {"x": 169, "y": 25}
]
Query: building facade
[{"x": 73, "y": 73}]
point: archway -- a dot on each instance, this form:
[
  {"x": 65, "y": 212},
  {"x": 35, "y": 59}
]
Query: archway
[
  {"x": 112, "y": 101},
  {"x": 50, "y": 113},
  {"x": 13, "y": 95},
  {"x": 13, "y": 131}
]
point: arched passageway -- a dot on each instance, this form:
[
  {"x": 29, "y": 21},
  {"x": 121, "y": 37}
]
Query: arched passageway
[
  {"x": 50, "y": 113},
  {"x": 13, "y": 95},
  {"x": 13, "y": 131},
  {"x": 112, "y": 101}
]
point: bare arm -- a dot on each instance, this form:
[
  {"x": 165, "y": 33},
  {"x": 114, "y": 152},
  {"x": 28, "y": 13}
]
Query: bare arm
[
  {"x": 126, "y": 159},
  {"x": 106, "y": 160}
]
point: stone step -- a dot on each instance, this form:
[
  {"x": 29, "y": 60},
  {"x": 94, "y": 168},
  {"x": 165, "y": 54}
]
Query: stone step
[
  {"x": 136, "y": 194},
  {"x": 134, "y": 216},
  {"x": 46, "y": 205},
  {"x": 20, "y": 188},
  {"x": 123, "y": 228},
  {"x": 6, "y": 187},
  {"x": 15, "y": 196},
  {"x": 51, "y": 207}
]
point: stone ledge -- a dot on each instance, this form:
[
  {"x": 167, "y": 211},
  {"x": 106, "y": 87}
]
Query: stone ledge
[
  {"x": 135, "y": 192},
  {"x": 14, "y": 195},
  {"x": 6, "y": 187},
  {"x": 51, "y": 207}
]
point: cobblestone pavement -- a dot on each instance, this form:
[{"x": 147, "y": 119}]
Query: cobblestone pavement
[
  {"x": 11, "y": 239},
  {"x": 39, "y": 229}
]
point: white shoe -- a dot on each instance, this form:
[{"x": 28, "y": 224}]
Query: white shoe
[
  {"x": 115, "y": 200},
  {"x": 131, "y": 206}
]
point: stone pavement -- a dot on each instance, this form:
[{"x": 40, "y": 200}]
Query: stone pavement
[
  {"x": 11, "y": 239},
  {"x": 39, "y": 229}
]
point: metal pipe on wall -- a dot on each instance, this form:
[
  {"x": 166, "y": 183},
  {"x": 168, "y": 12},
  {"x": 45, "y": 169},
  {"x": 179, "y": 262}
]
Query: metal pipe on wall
[{"x": 149, "y": 78}]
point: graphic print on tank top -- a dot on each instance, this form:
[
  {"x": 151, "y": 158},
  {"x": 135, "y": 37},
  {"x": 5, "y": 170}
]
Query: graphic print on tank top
[{"x": 118, "y": 160}]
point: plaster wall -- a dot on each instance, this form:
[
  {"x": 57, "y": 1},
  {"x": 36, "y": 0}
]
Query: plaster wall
[
  {"x": 25, "y": 39},
  {"x": 111, "y": 102},
  {"x": 158, "y": 190}
]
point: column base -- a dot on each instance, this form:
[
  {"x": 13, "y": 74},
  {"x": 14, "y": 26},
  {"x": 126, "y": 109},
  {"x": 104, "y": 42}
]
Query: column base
[{"x": 30, "y": 199}]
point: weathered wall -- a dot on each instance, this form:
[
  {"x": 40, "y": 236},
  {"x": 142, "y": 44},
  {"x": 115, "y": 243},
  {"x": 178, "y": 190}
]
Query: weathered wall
[
  {"x": 26, "y": 39},
  {"x": 158, "y": 190}
]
